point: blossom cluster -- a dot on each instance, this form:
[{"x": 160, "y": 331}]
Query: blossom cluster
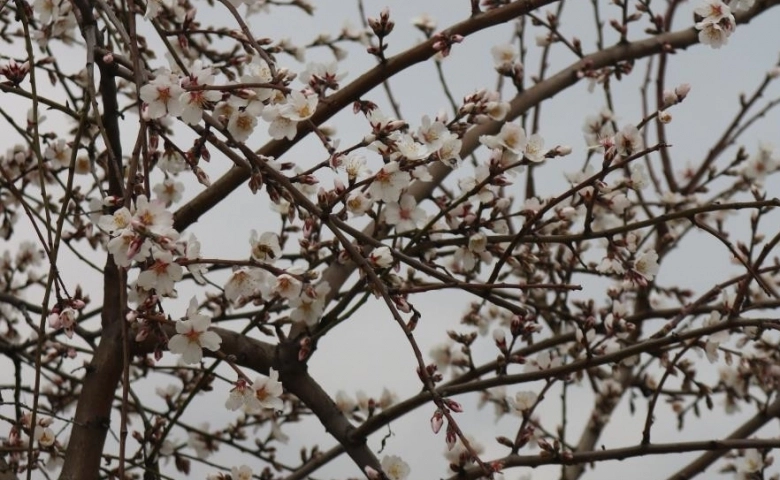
[
  {"x": 717, "y": 22},
  {"x": 187, "y": 96}
]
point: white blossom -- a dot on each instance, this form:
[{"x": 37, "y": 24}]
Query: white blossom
[
  {"x": 243, "y": 121},
  {"x": 58, "y": 153},
  {"x": 628, "y": 141},
  {"x": 522, "y": 401},
  {"x": 169, "y": 191},
  {"x": 389, "y": 182},
  {"x": 299, "y": 107},
  {"x": 195, "y": 100},
  {"x": 647, "y": 265},
  {"x": 504, "y": 54},
  {"x": 395, "y": 468},
  {"x": 358, "y": 203},
  {"x": 162, "y": 95},
  {"x": 307, "y": 308},
  {"x": 381, "y": 257},
  {"x": 162, "y": 274},
  {"x": 405, "y": 215},
  {"x": 266, "y": 393},
  {"x": 245, "y": 282},
  {"x": 281, "y": 126},
  {"x": 241, "y": 473},
  {"x": 433, "y": 133},
  {"x": 265, "y": 248},
  {"x": 192, "y": 336}
]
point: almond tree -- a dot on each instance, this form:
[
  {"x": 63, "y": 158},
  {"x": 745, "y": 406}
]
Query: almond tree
[{"x": 117, "y": 115}]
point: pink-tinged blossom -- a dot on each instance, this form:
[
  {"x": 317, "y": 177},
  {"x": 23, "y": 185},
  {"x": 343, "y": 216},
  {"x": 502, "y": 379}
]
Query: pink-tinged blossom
[
  {"x": 162, "y": 95},
  {"x": 389, "y": 182},
  {"x": 381, "y": 257},
  {"x": 266, "y": 393},
  {"x": 716, "y": 35},
  {"x": 192, "y": 336},
  {"x": 265, "y": 248},
  {"x": 628, "y": 141},
  {"x": 195, "y": 100},
  {"x": 764, "y": 162},
  {"x": 152, "y": 216},
  {"x": 128, "y": 247},
  {"x": 66, "y": 320},
  {"x": 162, "y": 274},
  {"x": 287, "y": 286},
  {"x": 405, "y": 215},
  {"x": 395, "y": 468},
  {"x": 712, "y": 11},
  {"x": 317, "y": 73}
]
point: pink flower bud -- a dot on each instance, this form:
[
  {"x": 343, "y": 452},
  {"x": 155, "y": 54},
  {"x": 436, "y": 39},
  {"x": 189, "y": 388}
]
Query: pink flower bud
[
  {"x": 437, "y": 420},
  {"x": 451, "y": 437},
  {"x": 372, "y": 474},
  {"x": 453, "y": 405}
]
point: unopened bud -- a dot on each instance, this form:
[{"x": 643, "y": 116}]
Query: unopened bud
[{"x": 682, "y": 91}]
